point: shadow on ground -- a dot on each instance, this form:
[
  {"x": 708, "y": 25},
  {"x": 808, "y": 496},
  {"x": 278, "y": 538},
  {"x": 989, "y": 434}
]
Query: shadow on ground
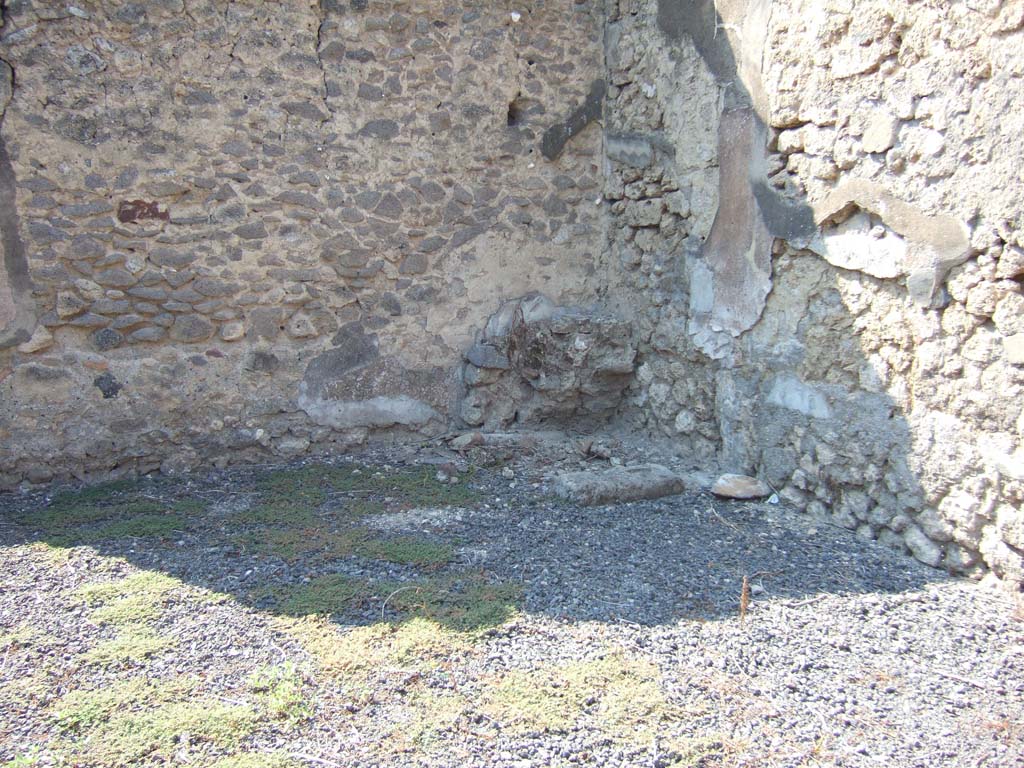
[{"x": 365, "y": 543}]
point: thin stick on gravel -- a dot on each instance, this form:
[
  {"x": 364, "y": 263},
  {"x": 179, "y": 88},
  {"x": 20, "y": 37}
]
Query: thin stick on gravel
[
  {"x": 311, "y": 759},
  {"x": 723, "y": 521},
  {"x": 809, "y": 601},
  {"x": 384, "y": 605},
  {"x": 236, "y": 702},
  {"x": 964, "y": 680}
]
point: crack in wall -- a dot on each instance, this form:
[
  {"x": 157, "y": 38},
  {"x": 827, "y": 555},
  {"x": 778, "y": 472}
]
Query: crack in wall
[
  {"x": 317, "y": 44},
  {"x": 15, "y": 263}
]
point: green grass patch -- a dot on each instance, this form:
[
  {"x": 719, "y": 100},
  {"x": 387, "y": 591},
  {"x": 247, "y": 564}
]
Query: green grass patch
[
  {"x": 143, "y": 526},
  {"x": 412, "y": 486},
  {"x": 304, "y": 543},
  {"x": 137, "y": 720},
  {"x": 281, "y": 694},
  {"x": 130, "y": 605},
  {"x": 98, "y": 514},
  {"x": 462, "y": 602},
  {"x": 428, "y": 715},
  {"x": 137, "y": 587},
  {"x": 84, "y": 497},
  {"x": 409, "y": 486},
  {"x": 135, "y": 644},
  {"x": 275, "y": 513},
  {"x": 57, "y": 518},
  {"x": 330, "y": 594},
  {"x": 257, "y": 760},
  {"x": 140, "y": 721},
  {"x": 618, "y": 696},
  {"x": 26, "y": 691},
  {"x": 360, "y": 508},
  {"x": 24, "y": 760},
  {"x": 319, "y": 544},
  {"x": 359, "y": 655},
  {"x": 408, "y": 550},
  {"x": 302, "y": 487},
  {"x": 20, "y": 636},
  {"x": 81, "y": 710}
]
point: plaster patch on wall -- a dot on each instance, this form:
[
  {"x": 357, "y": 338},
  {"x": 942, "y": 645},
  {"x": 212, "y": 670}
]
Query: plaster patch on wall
[
  {"x": 375, "y": 413},
  {"x": 737, "y": 253},
  {"x": 929, "y": 246}
]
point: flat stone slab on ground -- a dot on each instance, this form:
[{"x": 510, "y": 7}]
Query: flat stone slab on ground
[
  {"x": 740, "y": 487},
  {"x": 643, "y": 481}
]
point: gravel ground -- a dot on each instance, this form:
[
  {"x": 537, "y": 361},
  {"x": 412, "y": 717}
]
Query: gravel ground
[{"x": 847, "y": 655}]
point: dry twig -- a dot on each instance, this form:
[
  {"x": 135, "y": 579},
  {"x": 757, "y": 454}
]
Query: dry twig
[{"x": 744, "y": 599}]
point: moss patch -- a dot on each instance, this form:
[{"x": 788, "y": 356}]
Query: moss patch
[
  {"x": 617, "y": 695},
  {"x": 140, "y": 721},
  {"x": 111, "y": 511},
  {"x": 130, "y": 605},
  {"x": 330, "y": 594},
  {"x": 257, "y": 760},
  {"x": 418, "y": 645},
  {"x": 408, "y": 550},
  {"x": 138, "y": 597},
  {"x": 281, "y": 695},
  {"x": 135, "y": 645},
  {"x": 463, "y": 602}
]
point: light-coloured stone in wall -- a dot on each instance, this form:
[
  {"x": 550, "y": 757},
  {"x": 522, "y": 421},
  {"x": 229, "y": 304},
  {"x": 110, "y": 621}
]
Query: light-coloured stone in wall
[
  {"x": 880, "y": 133},
  {"x": 1011, "y": 525},
  {"x": 232, "y": 331},
  {"x": 1011, "y": 263},
  {"x": 790, "y": 141},
  {"x": 685, "y": 422},
  {"x": 1006, "y": 562},
  {"x": 923, "y": 548},
  {"x": 934, "y": 527},
  {"x": 1013, "y": 349},
  {"x": 41, "y": 339},
  {"x": 634, "y": 151},
  {"x": 1009, "y": 314}
]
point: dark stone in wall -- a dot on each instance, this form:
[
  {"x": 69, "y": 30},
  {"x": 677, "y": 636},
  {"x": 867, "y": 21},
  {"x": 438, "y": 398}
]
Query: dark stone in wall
[
  {"x": 108, "y": 385},
  {"x": 264, "y": 362},
  {"x": 557, "y": 136},
  {"x": 106, "y": 339},
  {"x": 136, "y": 210},
  {"x": 380, "y": 129}
]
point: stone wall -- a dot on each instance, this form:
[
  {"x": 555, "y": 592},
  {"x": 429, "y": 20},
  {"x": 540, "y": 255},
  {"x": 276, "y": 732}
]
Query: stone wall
[
  {"x": 234, "y": 229},
  {"x": 239, "y": 229},
  {"x": 849, "y": 324}
]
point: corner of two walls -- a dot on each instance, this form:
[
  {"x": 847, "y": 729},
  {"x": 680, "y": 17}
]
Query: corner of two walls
[{"x": 815, "y": 222}]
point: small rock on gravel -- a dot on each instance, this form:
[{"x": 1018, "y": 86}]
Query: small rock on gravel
[{"x": 740, "y": 487}]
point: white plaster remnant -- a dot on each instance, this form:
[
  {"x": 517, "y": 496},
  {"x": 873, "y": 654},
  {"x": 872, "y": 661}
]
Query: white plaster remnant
[
  {"x": 853, "y": 244},
  {"x": 789, "y": 392},
  {"x": 374, "y": 413}
]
